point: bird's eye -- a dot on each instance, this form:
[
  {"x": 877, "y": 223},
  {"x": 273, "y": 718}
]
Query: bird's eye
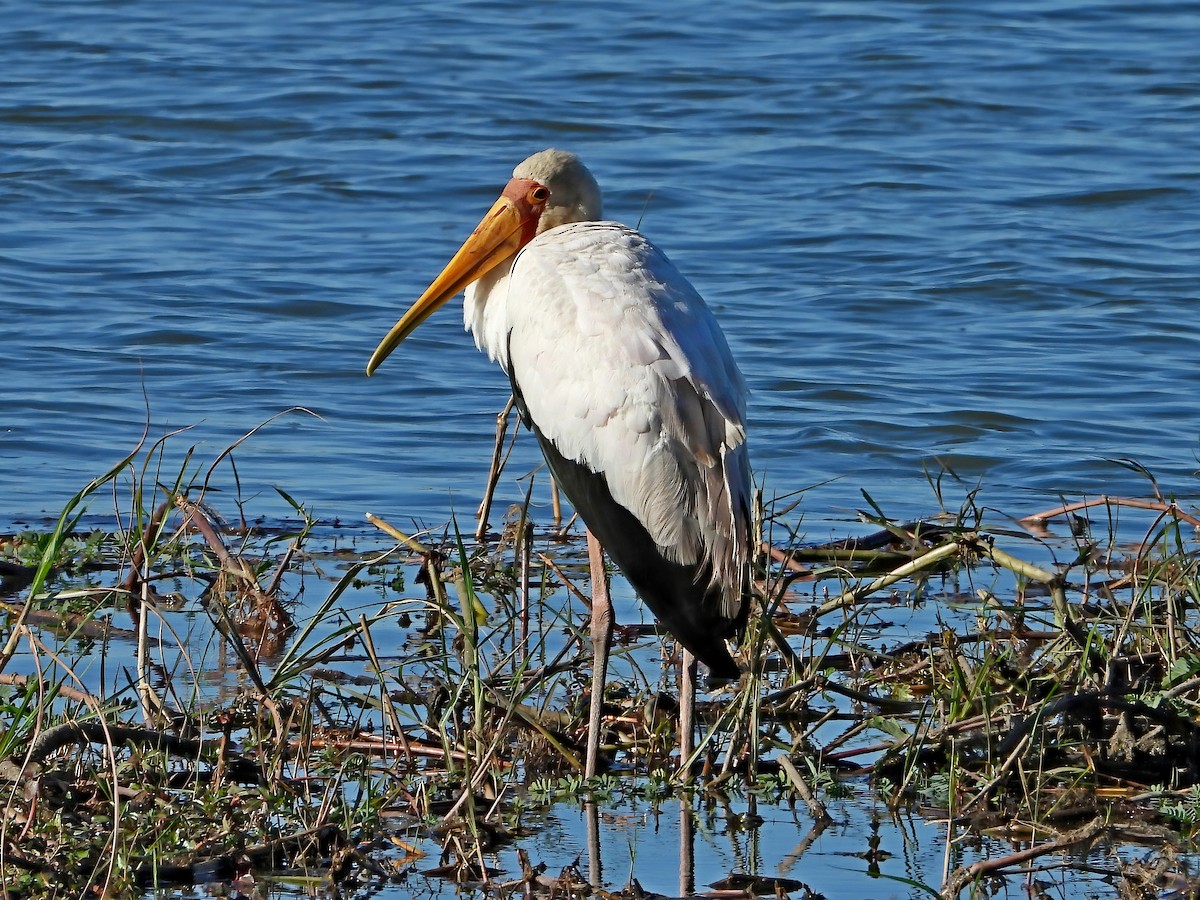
[{"x": 539, "y": 194}]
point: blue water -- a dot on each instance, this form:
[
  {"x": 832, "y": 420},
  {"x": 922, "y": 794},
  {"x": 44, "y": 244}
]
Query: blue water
[
  {"x": 968, "y": 235},
  {"x": 937, "y": 235}
]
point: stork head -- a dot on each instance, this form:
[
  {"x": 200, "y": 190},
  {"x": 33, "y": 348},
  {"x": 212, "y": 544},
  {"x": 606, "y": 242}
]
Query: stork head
[
  {"x": 574, "y": 194},
  {"x": 548, "y": 189}
]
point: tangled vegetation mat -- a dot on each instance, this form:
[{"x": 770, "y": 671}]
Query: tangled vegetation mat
[{"x": 189, "y": 697}]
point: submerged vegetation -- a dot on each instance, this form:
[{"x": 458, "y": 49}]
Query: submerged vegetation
[{"x": 189, "y": 699}]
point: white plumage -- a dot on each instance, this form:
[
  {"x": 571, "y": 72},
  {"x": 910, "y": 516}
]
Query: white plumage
[{"x": 623, "y": 368}]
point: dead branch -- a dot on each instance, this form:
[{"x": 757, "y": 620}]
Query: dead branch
[
  {"x": 1036, "y": 523},
  {"x": 960, "y": 879}
]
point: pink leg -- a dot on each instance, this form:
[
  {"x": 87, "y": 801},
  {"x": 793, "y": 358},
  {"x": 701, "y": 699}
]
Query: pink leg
[
  {"x": 687, "y": 708},
  {"x": 602, "y": 632}
]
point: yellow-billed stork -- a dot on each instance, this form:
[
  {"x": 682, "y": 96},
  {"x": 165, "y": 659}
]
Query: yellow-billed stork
[{"x": 627, "y": 380}]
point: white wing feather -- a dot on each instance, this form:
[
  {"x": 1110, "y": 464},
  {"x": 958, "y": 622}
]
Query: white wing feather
[{"x": 623, "y": 367}]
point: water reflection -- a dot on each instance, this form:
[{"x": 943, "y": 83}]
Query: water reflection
[{"x": 682, "y": 847}]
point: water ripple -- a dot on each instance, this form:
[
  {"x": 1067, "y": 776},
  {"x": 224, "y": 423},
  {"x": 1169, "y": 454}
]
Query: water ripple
[{"x": 936, "y": 236}]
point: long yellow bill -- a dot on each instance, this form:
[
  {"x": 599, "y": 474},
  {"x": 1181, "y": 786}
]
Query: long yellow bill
[{"x": 508, "y": 226}]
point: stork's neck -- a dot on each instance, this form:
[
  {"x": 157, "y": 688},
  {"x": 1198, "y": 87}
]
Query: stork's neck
[{"x": 485, "y": 312}]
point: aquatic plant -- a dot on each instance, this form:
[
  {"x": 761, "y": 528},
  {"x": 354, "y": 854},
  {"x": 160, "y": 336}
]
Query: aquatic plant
[{"x": 176, "y": 708}]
